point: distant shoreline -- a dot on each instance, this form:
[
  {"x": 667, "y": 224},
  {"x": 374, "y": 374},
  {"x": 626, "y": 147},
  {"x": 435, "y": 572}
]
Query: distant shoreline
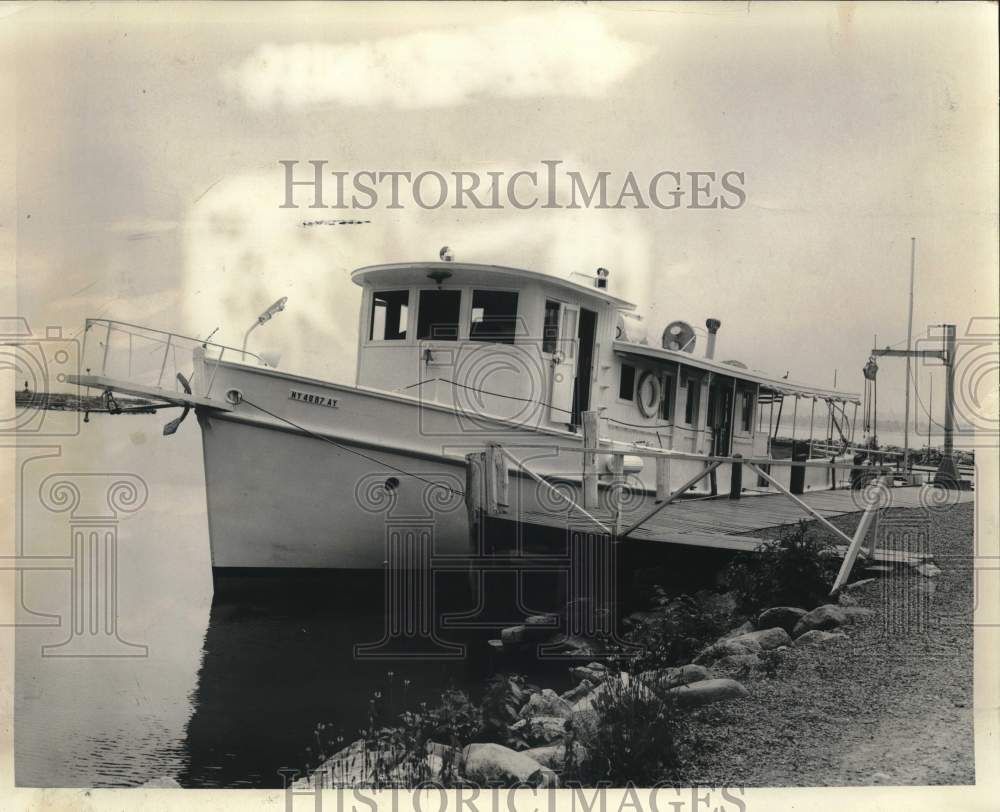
[{"x": 61, "y": 402}]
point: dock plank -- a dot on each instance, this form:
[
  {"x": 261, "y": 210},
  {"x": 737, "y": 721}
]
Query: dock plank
[{"x": 722, "y": 523}]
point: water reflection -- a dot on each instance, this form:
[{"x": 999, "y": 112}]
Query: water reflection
[{"x": 277, "y": 661}]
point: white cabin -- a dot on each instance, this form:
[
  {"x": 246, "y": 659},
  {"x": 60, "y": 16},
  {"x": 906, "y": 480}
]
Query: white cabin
[{"x": 517, "y": 344}]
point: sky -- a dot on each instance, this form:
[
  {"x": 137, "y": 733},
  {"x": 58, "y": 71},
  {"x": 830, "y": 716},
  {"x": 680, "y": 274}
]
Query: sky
[{"x": 142, "y": 145}]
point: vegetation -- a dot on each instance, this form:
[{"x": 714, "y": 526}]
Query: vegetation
[
  {"x": 794, "y": 570},
  {"x": 678, "y": 629},
  {"x": 634, "y": 738}
]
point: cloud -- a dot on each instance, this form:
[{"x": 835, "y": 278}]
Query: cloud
[{"x": 568, "y": 52}]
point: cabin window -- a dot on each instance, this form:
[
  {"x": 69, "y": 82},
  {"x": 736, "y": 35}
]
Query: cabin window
[
  {"x": 746, "y": 411},
  {"x": 693, "y": 402},
  {"x": 390, "y": 311},
  {"x": 437, "y": 317},
  {"x": 550, "y": 330},
  {"x": 626, "y": 384},
  {"x": 667, "y": 402},
  {"x": 494, "y": 316}
]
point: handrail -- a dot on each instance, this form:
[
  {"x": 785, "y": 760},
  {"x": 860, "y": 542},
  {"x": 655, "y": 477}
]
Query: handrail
[
  {"x": 115, "y": 325},
  {"x": 203, "y": 353},
  {"x": 684, "y": 455}
]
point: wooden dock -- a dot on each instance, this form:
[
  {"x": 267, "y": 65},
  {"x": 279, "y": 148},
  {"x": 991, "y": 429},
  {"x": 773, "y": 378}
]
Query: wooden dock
[{"x": 721, "y": 523}]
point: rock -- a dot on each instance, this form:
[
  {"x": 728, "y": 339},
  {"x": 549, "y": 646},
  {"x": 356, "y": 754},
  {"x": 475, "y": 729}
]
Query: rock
[
  {"x": 816, "y": 636},
  {"x": 545, "y": 729},
  {"x": 708, "y": 691},
  {"x": 881, "y": 778},
  {"x": 161, "y": 782},
  {"x": 493, "y": 762},
  {"x": 441, "y": 750},
  {"x": 539, "y": 627},
  {"x": 573, "y": 645},
  {"x": 928, "y": 570},
  {"x": 512, "y": 635},
  {"x": 765, "y": 638},
  {"x": 586, "y": 672},
  {"x": 859, "y": 585},
  {"x": 546, "y": 703},
  {"x": 784, "y": 617},
  {"x": 724, "y": 648},
  {"x": 737, "y": 661},
  {"x": 579, "y": 692},
  {"x": 672, "y": 677},
  {"x": 846, "y": 599},
  {"x": 553, "y": 756},
  {"x": 740, "y": 630},
  {"x": 827, "y": 616}
]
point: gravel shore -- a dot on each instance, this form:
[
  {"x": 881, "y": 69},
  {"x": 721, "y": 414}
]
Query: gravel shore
[{"x": 892, "y": 705}]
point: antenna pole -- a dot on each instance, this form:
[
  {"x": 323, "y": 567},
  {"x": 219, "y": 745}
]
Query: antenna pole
[
  {"x": 909, "y": 343},
  {"x": 930, "y": 414}
]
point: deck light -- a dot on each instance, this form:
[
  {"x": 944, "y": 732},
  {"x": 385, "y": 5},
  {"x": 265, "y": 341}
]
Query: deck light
[
  {"x": 277, "y": 307},
  {"x": 439, "y": 277}
]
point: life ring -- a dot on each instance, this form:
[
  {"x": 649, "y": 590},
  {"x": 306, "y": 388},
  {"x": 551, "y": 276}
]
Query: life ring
[{"x": 649, "y": 407}]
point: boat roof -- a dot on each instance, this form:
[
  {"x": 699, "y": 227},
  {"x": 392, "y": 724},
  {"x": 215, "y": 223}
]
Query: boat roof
[
  {"x": 780, "y": 385},
  {"x": 469, "y": 273}
]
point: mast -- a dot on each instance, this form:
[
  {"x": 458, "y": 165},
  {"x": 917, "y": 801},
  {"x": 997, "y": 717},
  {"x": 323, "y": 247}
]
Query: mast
[
  {"x": 909, "y": 346},
  {"x": 930, "y": 414}
]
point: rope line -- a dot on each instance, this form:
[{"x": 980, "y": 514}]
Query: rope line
[{"x": 350, "y": 450}]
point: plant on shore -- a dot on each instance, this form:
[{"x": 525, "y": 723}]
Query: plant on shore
[
  {"x": 634, "y": 737},
  {"x": 501, "y": 702},
  {"x": 794, "y": 570},
  {"x": 677, "y": 630}
]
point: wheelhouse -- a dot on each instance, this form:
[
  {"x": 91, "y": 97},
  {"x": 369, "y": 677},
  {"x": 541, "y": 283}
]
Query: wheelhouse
[{"x": 524, "y": 346}]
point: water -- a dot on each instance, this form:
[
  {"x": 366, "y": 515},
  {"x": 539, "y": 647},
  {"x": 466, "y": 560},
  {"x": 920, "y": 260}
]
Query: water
[{"x": 231, "y": 689}]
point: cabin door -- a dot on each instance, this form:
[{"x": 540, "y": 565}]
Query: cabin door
[
  {"x": 564, "y": 366},
  {"x": 720, "y": 415}
]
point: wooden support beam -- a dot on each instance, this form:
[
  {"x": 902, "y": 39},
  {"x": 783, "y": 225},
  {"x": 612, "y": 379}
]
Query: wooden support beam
[
  {"x": 662, "y": 478},
  {"x": 760, "y": 471},
  {"x": 497, "y": 480},
  {"x": 679, "y": 492},
  {"x": 591, "y": 439},
  {"x": 475, "y": 476},
  {"x": 859, "y": 535},
  {"x": 736, "y": 477},
  {"x": 617, "y": 486}
]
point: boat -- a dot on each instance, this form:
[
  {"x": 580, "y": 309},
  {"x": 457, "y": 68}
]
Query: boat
[{"x": 309, "y": 474}]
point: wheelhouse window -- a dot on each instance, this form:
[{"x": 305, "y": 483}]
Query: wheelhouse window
[
  {"x": 746, "y": 410},
  {"x": 437, "y": 316},
  {"x": 626, "y": 383},
  {"x": 667, "y": 401},
  {"x": 390, "y": 311},
  {"x": 550, "y": 329},
  {"x": 692, "y": 402},
  {"x": 494, "y": 316}
]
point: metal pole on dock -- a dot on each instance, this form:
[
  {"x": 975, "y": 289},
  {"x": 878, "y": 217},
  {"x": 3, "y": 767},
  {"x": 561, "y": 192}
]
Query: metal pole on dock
[
  {"x": 947, "y": 473},
  {"x": 909, "y": 347}
]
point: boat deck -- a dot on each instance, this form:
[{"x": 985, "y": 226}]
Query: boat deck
[{"x": 721, "y": 523}]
